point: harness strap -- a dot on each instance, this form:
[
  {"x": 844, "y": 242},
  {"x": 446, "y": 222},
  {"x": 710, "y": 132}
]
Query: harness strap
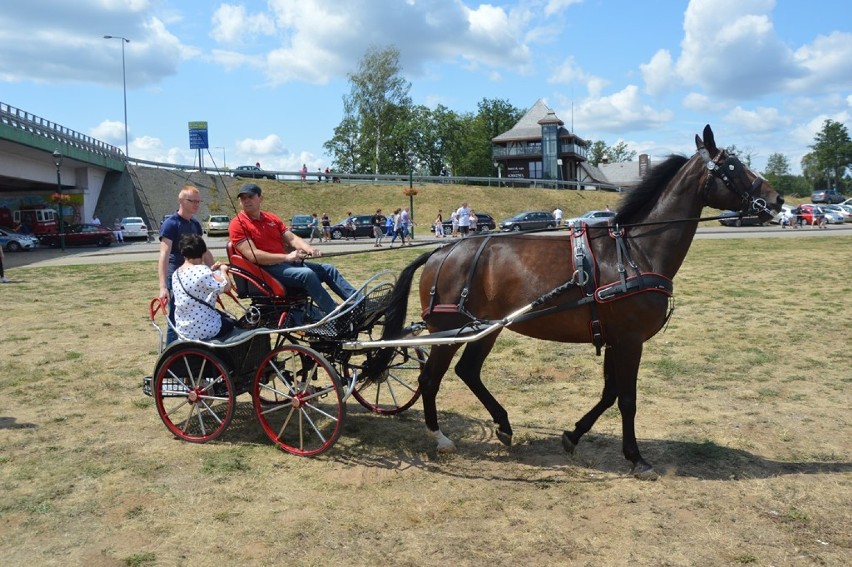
[{"x": 466, "y": 288}]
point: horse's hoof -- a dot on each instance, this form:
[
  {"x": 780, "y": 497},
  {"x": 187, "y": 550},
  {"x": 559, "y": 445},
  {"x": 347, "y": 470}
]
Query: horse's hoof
[
  {"x": 444, "y": 443},
  {"x": 644, "y": 471},
  {"x": 567, "y": 443},
  {"x": 505, "y": 438}
]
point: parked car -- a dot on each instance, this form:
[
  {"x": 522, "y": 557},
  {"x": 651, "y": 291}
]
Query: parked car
[
  {"x": 732, "y": 218},
  {"x": 827, "y": 196},
  {"x": 15, "y": 241},
  {"x": 217, "y": 224},
  {"x": 786, "y": 211},
  {"x": 251, "y": 171},
  {"x": 847, "y": 203},
  {"x": 528, "y": 220},
  {"x": 300, "y": 225},
  {"x": 484, "y": 223},
  {"x": 844, "y": 211},
  {"x": 134, "y": 227},
  {"x": 590, "y": 217},
  {"x": 82, "y": 235},
  {"x": 363, "y": 227},
  {"x": 809, "y": 211}
]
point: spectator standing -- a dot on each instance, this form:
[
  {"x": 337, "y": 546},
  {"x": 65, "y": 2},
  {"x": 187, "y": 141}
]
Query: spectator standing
[
  {"x": 349, "y": 226},
  {"x": 439, "y": 225},
  {"x": 118, "y": 230},
  {"x": 326, "y": 227},
  {"x": 398, "y": 228},
  {"x": 315, "y": 229},
  {"x": 96, "y": 220},
  {"x": 327, "y": 175},
  {"x": 557, "y": 214},
  {"x": 464, "y": 219},
  {"x": 378, "y": 222},
  {"x": 389, "y": 226},
  {"x": 454, "y": 220},
  {"x": 3, "y": 278},
  {"x": 319, "y": 175},
  {"x": 304, "y": 172},
  {"x": 407, "y": 224},
  {"x": 174, "y": 227}
]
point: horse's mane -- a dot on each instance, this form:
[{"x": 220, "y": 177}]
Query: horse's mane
[{"x": 637, "y": 203}]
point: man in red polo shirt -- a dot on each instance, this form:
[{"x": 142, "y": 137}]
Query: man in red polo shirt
[{"x": 264, "y": 239}]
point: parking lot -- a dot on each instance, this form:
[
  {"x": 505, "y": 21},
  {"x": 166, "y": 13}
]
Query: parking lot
[{"x": 147, "y": 251}]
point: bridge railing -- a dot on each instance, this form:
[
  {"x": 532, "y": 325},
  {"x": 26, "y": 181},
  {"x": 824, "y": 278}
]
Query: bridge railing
[{"x": 23, "y": 120}]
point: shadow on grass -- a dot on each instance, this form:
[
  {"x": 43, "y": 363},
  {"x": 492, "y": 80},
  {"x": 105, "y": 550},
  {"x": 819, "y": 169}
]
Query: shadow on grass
[{"x": 400, "y": 442}]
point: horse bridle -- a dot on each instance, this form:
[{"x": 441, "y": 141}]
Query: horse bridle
[{"x": 725, "y": 172}]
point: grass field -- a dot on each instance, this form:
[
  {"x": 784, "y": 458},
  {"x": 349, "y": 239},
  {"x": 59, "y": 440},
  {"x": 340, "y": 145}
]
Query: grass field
[{"x": 744, "y": 409}]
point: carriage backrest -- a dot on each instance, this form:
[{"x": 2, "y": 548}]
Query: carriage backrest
[{"x": 250, "y": 280}]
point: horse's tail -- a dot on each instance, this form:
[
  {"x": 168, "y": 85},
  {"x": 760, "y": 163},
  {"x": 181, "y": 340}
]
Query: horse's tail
[{"x": 394, "y": 318}]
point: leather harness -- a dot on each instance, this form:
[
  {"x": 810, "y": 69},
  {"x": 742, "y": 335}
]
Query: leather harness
[{"x": 584, "y": 276}]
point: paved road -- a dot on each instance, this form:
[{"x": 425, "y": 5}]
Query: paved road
[{"x": 145, "y": 251}]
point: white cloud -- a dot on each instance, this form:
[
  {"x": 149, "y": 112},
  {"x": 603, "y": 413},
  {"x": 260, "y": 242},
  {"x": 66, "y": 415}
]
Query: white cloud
[
  {"x": 556, "y": 6},
  {"x": 111, "y": 132},
  {"x": 232, "y": 24},
  {"x": 730, "y": 49},
  {"x": 270, "y": 145},
  {"x": 619, "y": 112},
  {"x": 828, "y": 62},
  {"x": 658, "y": 74},
  {"x": 761, "y": 119}
]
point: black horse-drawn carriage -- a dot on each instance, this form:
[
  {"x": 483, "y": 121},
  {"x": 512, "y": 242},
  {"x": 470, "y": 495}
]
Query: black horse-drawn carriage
[{"x": 298, "y": 375}]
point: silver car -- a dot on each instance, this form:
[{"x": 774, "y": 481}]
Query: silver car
[{"x": 15, "y": 241}]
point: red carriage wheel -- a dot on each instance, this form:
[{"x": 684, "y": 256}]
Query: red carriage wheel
[
  {"x": 397, "y": 388},
  {"x": 194, "y": 394},
  {"x": 298, "y": 400}
]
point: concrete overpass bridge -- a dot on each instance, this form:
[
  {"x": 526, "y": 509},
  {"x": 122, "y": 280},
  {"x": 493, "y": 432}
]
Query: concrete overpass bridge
[{"x": 98, "y": 177}]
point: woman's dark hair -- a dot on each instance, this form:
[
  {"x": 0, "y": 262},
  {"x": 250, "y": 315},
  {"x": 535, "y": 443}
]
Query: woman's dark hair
[{"x": 192, "y": 246}]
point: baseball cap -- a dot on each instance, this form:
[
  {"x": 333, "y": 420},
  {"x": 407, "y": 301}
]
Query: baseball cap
[{"x": 249, "y": 189}]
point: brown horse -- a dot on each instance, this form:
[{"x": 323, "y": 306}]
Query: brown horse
[{"x": 608, "y": 285}]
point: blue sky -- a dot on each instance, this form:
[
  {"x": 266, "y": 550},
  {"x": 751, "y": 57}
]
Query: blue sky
[{"x": 269, "y": 77}]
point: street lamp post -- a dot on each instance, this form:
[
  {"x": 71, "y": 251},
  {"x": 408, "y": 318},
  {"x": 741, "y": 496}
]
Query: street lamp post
[
  {"x": 124, "y": 81},
  {"x": 410, "y": 157},
  {"x": 57, "y": 159}
]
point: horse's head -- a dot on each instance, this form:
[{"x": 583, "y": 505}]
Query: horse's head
[{"x": 729, "y": 184}]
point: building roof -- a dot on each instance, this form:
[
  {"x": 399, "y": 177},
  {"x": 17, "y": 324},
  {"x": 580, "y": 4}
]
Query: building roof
[{"x": 529, "y": 126}]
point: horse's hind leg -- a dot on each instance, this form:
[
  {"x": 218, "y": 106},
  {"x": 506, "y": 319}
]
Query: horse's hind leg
[
  {"x": 469, "y": 369},
  {"x": 430, "y": 382}
]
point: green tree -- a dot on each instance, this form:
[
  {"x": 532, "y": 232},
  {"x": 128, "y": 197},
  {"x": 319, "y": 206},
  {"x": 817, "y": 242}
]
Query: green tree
[
  {"x": 619, "y": 152},
  {"x": 778, "y": 174},
  {"x": 472, "y": 154},
  {"x": 378, "y": 98},
  {"x": 776, "y": 165},
  {"x": 599, "y": 151},
  {"x": 831, "y": 156}
]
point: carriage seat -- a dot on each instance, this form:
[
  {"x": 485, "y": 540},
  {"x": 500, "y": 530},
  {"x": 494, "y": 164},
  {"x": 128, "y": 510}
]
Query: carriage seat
[{"x": 253, "y": 282}]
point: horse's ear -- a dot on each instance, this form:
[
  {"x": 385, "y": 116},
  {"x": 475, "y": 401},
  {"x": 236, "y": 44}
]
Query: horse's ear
[
  {"x": 709, "y": 140},
  {"x": 698, "y": 143}
]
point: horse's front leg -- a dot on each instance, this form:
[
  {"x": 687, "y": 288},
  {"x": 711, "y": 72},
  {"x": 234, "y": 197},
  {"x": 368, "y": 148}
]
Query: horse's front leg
[
  {"x": 469, "y": 369},
  {"x": 430, "y": 382},
  {"x": 621, "y": 368}
]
